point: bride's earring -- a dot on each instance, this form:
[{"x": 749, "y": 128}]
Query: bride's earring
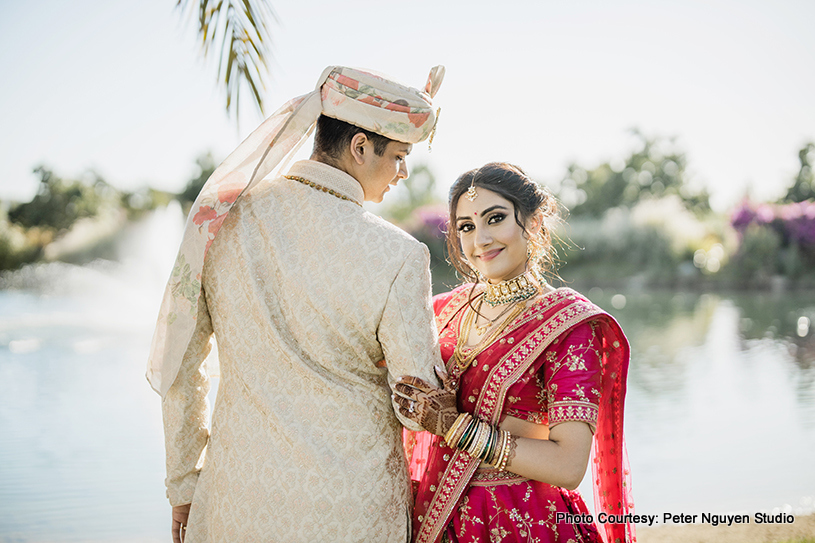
[{"x": 536, "y": 261}]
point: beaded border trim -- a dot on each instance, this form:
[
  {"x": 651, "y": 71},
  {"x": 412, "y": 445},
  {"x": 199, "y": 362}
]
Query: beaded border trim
[{"x": 317, "y": 186}]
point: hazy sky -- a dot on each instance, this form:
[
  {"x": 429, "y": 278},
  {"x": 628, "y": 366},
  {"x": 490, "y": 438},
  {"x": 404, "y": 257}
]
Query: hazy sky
[{"x": 120, "y": 87}]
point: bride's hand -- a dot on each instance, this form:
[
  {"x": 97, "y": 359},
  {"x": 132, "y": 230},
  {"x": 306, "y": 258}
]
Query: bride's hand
[{"x": 432, "y": 407}]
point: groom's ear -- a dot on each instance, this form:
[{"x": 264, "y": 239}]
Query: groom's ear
[{"x": 357, "y": 148}]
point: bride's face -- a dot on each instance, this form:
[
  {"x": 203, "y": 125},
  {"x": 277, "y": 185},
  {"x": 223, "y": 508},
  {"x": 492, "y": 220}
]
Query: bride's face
[{"x": 491, "y": 239}]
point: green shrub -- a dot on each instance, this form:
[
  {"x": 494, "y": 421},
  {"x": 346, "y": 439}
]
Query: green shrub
[
  {"x": 15, "y": 248},
  {"x": 59, "y": 202},
  {"x": 758, "y": 257},
  {"x": 615, "y": 248}
]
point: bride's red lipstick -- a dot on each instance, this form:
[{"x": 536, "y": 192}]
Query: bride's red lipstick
[{"x": 489, "y": 255}]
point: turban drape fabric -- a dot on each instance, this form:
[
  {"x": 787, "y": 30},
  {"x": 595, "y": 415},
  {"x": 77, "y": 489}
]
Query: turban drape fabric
[{"x": 361, "y": 98}]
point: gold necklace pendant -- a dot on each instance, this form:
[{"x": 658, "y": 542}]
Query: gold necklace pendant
[{"x": 481, "y": 330}]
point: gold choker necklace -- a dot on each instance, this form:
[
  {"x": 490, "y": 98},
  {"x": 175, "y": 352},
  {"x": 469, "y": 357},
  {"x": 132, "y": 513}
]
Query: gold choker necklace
[{"x": 518, "y": 288}]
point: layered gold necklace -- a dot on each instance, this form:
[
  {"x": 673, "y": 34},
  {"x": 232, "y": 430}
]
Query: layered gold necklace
[
  {"x": 479, "y": 330},
  {"x": 464, "y": 359}
]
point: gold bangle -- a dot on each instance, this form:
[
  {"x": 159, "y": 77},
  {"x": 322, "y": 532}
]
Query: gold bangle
[
  {"x": 496, "y": 461},
  {"x": 448, "y": 437},
  {"x": 455, "y": 439},
  {"x": 502, "y": 451},
  {"x": 477, "y": 441},
  {"x": 507, "y": 451}
]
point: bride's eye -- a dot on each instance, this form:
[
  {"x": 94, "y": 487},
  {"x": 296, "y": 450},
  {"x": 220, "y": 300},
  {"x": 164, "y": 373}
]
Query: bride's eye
[
  {"x": 465, "y": 227},
  {"x": 498, "y": 217}
]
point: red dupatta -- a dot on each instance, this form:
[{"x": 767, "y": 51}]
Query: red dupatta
[{"x": 518, "y": 350}]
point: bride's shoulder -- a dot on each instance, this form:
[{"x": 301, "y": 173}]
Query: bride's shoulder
[
  {"x": 550, "y": 295},
  {"x": 440, "y": 301}
]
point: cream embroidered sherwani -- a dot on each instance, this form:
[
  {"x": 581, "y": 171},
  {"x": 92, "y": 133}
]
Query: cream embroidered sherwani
[{"x": 305, "y": 294}]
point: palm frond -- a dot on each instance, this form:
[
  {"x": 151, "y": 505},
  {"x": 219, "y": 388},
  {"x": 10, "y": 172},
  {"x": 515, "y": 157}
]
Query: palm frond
[{"x": 241, "y": 29}]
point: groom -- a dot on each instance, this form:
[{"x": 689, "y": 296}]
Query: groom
[{"x": 305, "y": 292}]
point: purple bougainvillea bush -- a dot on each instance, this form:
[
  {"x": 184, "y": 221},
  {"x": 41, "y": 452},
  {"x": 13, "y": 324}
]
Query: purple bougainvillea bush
[
  {"x": 795, "y": 223},
  {"x": 775, "y": 239}
]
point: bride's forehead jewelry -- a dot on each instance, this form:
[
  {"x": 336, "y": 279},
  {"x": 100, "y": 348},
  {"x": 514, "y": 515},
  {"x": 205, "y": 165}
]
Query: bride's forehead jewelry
[{"x": 471, "y": 192}]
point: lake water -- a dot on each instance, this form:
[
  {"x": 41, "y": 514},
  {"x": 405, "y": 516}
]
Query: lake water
[{"x": 720, "y": 414}]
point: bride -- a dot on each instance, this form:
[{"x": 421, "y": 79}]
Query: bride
[{"x": 535, "y": 377}]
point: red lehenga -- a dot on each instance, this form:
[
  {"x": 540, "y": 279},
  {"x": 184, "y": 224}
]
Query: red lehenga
[{"x": 562, "y": 359}]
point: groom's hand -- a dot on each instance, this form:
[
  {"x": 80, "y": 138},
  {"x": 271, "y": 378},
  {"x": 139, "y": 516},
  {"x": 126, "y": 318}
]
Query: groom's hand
[{"x": 180, "y": 515}]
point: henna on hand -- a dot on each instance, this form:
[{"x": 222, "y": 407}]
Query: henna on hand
[
  {"x": 513, "y": 444},
  {"x": 434, "y": 408},
  {"x": 439, "y": 411},
  {"x": 407, "y": 408},
  {"x": 447, "y": 382}
]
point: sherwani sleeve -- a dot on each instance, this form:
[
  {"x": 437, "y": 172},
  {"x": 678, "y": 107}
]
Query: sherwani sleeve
[
  {"x": 407, "y": 331},
  {"x": 185, "y": 410}
]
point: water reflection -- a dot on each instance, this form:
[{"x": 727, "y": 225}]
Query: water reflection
[
  {"x": 719, "y": 417},
  {"x": 81, "y": 450},
  {"x": 720, "y": 408}
]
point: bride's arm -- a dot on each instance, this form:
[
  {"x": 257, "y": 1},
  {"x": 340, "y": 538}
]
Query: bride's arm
[
  {"x": 557, "y": 457},
  {"x": 556, "y": 454}
]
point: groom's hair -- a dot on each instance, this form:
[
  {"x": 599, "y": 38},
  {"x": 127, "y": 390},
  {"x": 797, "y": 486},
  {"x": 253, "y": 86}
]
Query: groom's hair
[{"x": 334, "y": 136}]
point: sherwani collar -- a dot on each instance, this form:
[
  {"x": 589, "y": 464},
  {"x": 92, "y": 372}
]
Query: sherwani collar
[{"x": 329, "y": 177}]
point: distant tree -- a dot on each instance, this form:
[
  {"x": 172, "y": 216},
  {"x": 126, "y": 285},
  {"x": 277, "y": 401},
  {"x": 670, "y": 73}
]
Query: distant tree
[
  {"x": 417, "y": 209},
  {"x": 206, "y": 165},
  {"x": 803, "y": 188},
  {"x": 649, "y": 172},
  {"x": 60, "y": 202},
  {"x": 418, "y": 190},
  {"x": 240, "y": 28}
]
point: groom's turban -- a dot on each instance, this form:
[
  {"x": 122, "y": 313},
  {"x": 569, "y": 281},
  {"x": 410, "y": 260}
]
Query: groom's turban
[{"x": 380, "y": 105}]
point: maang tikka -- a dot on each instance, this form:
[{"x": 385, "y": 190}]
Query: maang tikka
[{"x": 471, "y": 192}]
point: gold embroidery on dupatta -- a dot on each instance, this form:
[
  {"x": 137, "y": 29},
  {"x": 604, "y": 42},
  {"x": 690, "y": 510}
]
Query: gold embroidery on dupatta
[
  {"x": 494, "y": 477},
  {"x": 452, "y": 307}
]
